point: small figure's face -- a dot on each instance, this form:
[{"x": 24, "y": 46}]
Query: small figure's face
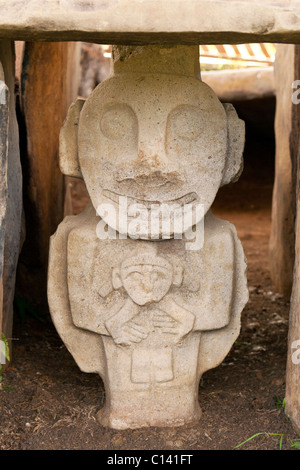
[
  {"x": 146, "y": 283},
  {"x": 154, "y": 139}
]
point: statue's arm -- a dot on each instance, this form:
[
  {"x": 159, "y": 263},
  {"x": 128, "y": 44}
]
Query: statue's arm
[{"x": 211, "y": 304}]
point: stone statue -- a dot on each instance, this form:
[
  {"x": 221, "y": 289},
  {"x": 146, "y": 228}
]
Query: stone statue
[{"x": 144, "y": 311}]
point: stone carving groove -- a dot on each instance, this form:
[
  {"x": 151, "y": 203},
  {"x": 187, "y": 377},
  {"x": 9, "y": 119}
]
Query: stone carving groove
[{"x": 149, "y": 313}]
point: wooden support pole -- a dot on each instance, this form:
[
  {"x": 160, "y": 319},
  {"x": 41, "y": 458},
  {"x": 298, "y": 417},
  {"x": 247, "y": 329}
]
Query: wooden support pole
[
  {"x": 293, "y": 356},
  {"x": 49, "y": 85}
]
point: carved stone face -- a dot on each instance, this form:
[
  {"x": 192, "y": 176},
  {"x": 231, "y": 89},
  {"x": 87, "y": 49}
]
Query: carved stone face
[
  {"x": 152, "y": 138},
  {"x": 147, "y": 282}
]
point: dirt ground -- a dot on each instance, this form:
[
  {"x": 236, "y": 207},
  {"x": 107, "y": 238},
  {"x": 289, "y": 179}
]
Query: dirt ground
[{"x": 47, "y": 403}]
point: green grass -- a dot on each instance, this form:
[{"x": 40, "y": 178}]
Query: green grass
[
  {"x": 280, "y": 404},
  {"x": 294, "y": 443},
  {"x": 6, "y": 354}
]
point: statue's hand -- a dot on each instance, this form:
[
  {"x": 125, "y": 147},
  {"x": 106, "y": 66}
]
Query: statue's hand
[
  {"x": 165, "y": 323},
  {"x": 178, "y": 323},
  {"x": 129, "y": 333}
]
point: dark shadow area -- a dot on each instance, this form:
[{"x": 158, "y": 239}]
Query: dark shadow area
[{"x": 253, "y": 191}]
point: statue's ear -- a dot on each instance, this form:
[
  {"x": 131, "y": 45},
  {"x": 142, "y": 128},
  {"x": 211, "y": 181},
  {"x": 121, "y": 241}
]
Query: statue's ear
[
  {"x": 178, "y": 276},
  {"x": 68, "y": 141},
  {"x": 116, "y": 278},
  {"x": 235, "y": 146}
]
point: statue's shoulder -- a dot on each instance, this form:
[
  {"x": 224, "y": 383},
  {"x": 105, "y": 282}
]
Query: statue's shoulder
[
  {"x": 216, "y": 227},
  {"x": 218, "y": 233}
]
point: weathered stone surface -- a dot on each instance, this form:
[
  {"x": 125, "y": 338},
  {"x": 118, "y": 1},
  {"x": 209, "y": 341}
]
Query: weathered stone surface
[
  {"x": 94, "y": 68},
  {"x": 49, "y": 85},
  {"x": 150, "y": 316},
  {"x": 11, "y": 188},
  {"x": 147, "y": 169},
  {"x": 282, "y": 239},
  {"x": 152, "y": 21},
  {"x": 241, "y": 84},
  {"x": 150, "y": 345}
]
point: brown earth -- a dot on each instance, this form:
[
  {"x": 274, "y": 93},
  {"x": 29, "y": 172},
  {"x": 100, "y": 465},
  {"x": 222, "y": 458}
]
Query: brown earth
[{"x": 47, "y": 403}]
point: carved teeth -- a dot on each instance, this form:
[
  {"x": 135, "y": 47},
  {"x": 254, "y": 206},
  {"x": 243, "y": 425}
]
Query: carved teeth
[{"x": 186, "y": 199}]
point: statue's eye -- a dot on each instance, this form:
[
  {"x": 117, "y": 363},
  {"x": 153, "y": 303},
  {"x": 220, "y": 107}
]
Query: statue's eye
[
  {"x": 118, "y": 122},
  {"x": 187, "y": 122}
]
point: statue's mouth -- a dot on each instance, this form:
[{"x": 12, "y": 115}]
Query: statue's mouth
[
  {"x": 147, "y": 179},
  {"x": 190, "y": 198}
]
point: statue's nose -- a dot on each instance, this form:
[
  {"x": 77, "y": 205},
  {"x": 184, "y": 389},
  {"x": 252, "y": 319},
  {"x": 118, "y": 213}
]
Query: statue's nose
[
  {"x": 149, "y": 281},
  {"x": 150, "y": 167},
  {"x": 151, "y": 140},
  {"x": 152, "y": 154}
]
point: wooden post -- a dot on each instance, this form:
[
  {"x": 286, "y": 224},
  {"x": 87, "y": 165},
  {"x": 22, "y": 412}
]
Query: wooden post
[
  {"x": 293, "y": 356},
  {"x": 282, "y": 239},
  {"x": 49, "y": 85}
]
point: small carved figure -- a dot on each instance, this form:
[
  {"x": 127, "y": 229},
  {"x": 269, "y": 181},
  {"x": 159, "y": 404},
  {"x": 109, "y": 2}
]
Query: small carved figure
[{"x": 150, "y": 320}]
